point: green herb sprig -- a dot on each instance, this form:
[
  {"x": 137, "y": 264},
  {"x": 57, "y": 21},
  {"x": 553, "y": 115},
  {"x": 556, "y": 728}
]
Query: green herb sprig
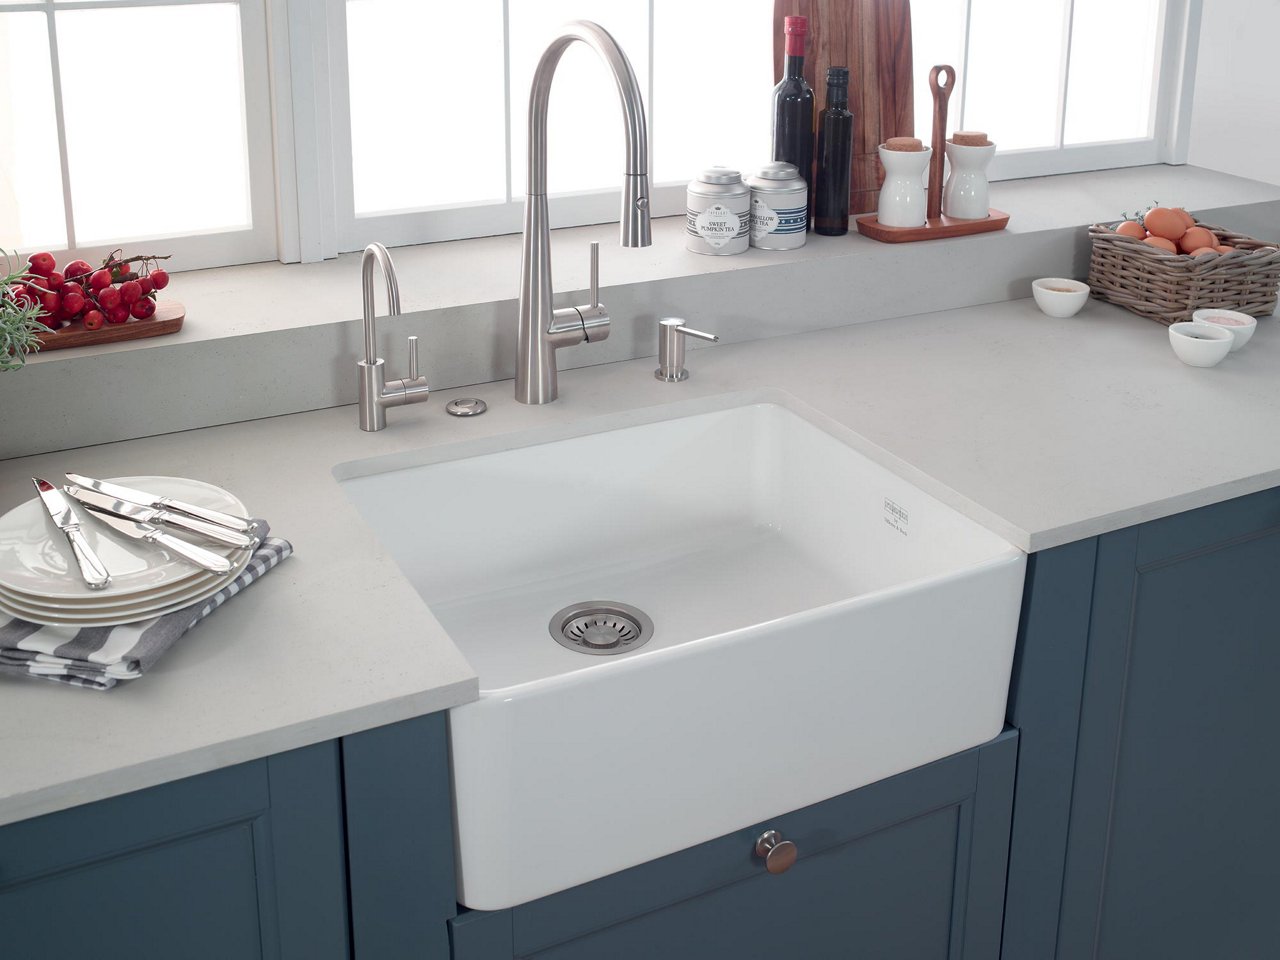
[{"x": 18, "y": 321}]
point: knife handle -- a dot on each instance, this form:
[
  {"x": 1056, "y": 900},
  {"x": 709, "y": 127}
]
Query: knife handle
[
  {"x": 191, "y": 553},
  {"x": 91, "y": 568},
  {"x": 213, "y": 531},
  {"x": 240, "y": 524}
]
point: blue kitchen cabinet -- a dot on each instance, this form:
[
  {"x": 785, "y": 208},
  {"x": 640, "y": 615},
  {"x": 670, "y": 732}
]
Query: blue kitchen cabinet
[
  {"x": 910, "y": 867},
  {"x": 340, "y": 849},
  {"x": 243, "y": 862},
  {"x": 1147, "y": 696}
]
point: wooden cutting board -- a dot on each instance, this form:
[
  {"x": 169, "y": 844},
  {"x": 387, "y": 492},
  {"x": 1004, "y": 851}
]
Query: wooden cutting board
[
  {"x": 873, "y": 39},
  {"x": 167, "y": 319}
]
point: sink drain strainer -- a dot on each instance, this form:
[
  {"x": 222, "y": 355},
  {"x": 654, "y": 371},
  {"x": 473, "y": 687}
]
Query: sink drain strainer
[{"x": 601, "y": 627}]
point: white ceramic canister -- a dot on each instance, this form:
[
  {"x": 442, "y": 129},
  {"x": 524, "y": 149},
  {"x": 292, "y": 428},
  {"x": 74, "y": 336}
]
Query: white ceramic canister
[
  {"x": 779, "y": 207},
  {"x": 966, "y": 195},
  {"x": 718, "y": 212},
  {"x": 902, "y": 197}
]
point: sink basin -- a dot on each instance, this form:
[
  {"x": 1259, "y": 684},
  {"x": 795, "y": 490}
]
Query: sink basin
[{"x": 818, "y": 624}]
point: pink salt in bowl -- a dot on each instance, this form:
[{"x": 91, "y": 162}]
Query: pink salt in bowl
[{"x": 1241, "y": 325}]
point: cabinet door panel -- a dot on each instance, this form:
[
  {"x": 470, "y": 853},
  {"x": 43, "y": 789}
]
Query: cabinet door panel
[
  {"x": 887, "y": 896},
  {"x": 242, "y": 863},
  {"x": 1179, "y": 844},
  {"x": 144, "y": 904}
]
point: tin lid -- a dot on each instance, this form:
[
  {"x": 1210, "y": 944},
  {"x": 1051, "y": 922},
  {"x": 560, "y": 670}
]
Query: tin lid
[
  {"x": 720, "y": 175},
  {"x": 779, "y": 170}
]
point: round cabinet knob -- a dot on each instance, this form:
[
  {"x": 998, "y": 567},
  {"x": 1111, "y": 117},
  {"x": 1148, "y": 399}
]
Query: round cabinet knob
[{"x": 778, "y": 854}]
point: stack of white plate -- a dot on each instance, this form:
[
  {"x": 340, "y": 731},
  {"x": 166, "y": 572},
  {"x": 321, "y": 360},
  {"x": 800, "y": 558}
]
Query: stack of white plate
[{"x": 39, "y": 580}]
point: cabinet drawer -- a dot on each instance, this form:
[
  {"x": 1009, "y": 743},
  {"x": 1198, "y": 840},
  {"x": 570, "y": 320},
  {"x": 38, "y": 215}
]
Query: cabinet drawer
[{"x": 912, "y": 866}]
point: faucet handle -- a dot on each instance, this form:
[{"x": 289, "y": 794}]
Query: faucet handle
[
  {"x": 413, "y": 358},
  {"x": 595, "y": 274},
  {"x": 595, "y": 318}
]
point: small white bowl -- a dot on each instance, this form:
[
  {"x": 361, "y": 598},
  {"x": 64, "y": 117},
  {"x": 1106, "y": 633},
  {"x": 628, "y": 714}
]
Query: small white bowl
[
  {"x": 1241, "y": 325},
  {"x": 1058, "y": 297},
  {"x": 1200, "y": 344}
]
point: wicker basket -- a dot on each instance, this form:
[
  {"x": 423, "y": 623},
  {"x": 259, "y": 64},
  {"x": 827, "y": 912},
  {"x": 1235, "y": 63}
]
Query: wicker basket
[{"x": 1168, "y": 287}]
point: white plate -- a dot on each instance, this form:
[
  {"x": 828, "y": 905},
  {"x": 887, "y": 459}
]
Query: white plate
[
  {"x": 36, "y": 560},
  {"x": 198, "y": 579},
  {"x": 114, "y": 616},
  {"x": 185, "y": 588}
]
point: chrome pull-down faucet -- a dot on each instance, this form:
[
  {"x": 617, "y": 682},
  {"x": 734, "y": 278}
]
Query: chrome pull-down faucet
[
  {"x": 376, "y": 394},
  {"x": 542, "y": 329}
]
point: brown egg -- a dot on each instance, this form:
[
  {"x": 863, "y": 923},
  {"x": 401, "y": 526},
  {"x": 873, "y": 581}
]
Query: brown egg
[
  {"x": 1195, "y": 238},
  {"x": 1161, "y": 243},
  {"x": 1163, "y": 222},
  {"x": 1224, "y": 248},
  {"x": 1129, "y": 228},
  {"x": 1187, "y": 218},
  {"x": 1196, "y": 253}
]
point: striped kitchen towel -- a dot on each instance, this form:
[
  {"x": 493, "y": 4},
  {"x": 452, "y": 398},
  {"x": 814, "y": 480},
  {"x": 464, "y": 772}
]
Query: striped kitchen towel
[{"x": 100, "y": 657}]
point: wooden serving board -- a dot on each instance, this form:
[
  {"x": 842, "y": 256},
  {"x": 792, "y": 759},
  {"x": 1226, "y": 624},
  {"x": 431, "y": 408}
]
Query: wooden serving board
[
  {"x": 167, "y": 319},
  {"x": 872, "y": 38},
  {"x": 935, "y": 228}
]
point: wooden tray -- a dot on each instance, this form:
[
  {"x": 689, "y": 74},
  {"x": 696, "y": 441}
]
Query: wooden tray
[
  {"x": 935, "y": 228},
  {"x": 167, "y": 319}
]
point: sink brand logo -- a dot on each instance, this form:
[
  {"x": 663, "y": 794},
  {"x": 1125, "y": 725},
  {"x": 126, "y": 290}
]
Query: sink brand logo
[{"x": 896, "y": 516}]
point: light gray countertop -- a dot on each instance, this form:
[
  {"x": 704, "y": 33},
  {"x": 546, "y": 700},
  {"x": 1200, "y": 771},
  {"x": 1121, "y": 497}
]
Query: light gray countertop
[{"x": 1046, "y": 431}]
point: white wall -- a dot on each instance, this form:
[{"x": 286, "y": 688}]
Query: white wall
[{"x": 1235, "y": 120}]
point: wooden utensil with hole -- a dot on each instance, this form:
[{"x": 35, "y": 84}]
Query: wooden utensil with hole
[
  {"x": 941, "y": 94},
  {"x": 937, "y": 226}
]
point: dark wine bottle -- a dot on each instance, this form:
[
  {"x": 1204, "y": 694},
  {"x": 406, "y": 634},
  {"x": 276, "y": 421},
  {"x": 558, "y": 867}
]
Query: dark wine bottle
[
  {"x": 793, "y": 105},
  {"x": 835, "y": 151}
]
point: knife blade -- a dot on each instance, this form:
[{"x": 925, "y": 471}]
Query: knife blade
[
  {"x": 157, "y": 537},
  {"x": 92, "y": 569},
  {"x": 144, "y": 499},
  {"x": 132, "y": 511}
]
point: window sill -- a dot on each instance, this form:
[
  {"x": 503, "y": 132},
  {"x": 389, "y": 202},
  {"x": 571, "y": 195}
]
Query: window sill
[
  {"x": 273, "y": 339},
  {"x": 269, "y": 297}
]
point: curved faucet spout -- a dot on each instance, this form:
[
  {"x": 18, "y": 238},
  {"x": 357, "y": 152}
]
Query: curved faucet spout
[
  {"x": 542, "y": 329},
  {"x": 376, "y": 253}
]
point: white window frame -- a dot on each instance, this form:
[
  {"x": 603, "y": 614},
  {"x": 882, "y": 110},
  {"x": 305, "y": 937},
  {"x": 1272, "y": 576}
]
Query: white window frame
[
  {"x": 299, "y": 141},
  {"x": 214, "y": 248},
  {"x": 479, "y": 219},
  {"x": 1169, "y": 131}
]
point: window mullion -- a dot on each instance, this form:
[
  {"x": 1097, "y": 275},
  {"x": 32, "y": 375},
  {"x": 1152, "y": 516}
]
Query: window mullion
[
  {"x": 506, "y": 95},
  {"x": 963, "y": 74},
  {"x": 1065, "y": 74},
  {"x": 59, "y": 121}
]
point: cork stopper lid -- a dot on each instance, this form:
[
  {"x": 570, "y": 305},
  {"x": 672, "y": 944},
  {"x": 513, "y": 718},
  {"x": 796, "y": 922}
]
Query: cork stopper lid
[
  {"x": 904, "y": 144},
  {"x": 970, "y": 138}
]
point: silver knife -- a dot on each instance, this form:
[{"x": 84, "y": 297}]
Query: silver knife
[
  {"x": 132, "y": 511},
  {"x": 64, "y": 515},
  {"x": 157, "y": 537},
  {"x": 144, "y": 499}
]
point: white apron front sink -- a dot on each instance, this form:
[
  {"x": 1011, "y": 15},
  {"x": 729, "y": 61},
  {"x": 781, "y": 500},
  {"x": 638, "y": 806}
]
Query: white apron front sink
[{"x": 818, "y": 624}]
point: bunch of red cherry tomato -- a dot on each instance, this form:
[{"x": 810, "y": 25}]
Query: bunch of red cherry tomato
[{"x": 120, "y": 289}]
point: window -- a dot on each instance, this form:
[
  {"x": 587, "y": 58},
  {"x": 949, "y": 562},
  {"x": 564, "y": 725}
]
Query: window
[
  {"x": 127, "y": 124},
  {"x": 229, "y": 131},
  {"x": 454, "y": 152},
  {"x": 1059, "y": 85}
]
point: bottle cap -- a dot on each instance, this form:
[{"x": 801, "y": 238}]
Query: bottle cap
[
  {"x": 720, "y": 175},
  {"x": 838, "y": 76},
  {"x": 795, "y": 29}
]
